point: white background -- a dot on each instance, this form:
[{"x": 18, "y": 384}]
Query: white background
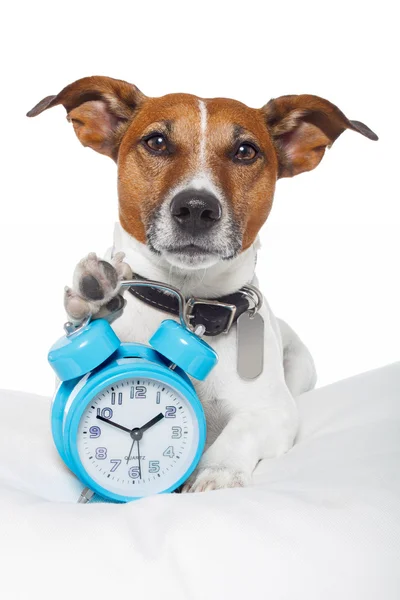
[{"x": 329, "y": 262}]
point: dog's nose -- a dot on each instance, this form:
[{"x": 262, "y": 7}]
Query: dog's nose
[{"x": 195, "y": 210}]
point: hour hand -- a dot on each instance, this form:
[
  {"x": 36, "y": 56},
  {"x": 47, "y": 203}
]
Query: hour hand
[
  {"x": 152, "y": 422},
  {"x": 113, "y": 423}
]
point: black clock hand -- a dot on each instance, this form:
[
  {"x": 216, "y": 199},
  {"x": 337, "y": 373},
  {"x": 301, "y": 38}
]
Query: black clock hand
[
  {"x": 113, "y": 424},
  {"x": 137, "y": 433},
  {"x": 152, "y": 422}
]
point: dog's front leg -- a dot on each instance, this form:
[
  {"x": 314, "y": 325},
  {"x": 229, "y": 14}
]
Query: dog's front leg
[{"x": 253, "y": 432}]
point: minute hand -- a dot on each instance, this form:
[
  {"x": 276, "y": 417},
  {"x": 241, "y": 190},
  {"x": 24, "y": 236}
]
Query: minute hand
[{"x": 152, "y": 422}]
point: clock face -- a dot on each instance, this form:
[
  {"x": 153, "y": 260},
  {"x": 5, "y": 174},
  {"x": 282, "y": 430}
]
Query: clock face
[{"x": 137, "y": 437}]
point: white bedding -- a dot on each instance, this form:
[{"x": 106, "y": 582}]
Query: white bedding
[{"x": 321, "y": 523}]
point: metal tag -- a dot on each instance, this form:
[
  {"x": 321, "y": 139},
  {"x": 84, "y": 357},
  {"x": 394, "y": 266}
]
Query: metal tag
[{"x": 250, "y": 345}]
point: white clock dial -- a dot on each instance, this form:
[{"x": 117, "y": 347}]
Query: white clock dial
[{"x": 116, "y": 458}]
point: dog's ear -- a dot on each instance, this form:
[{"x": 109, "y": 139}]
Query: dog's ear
[
  {"x": 99, "y": 108},
  {"x": 302, "y": 127}
]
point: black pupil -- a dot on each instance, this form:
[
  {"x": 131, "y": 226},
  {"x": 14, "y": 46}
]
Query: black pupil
[
  {"x": 158, "y": 141},
  {"x": 245, "y": 151}
]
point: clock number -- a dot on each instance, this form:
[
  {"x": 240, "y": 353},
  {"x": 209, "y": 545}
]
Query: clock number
[
  {"x": 134, "y": 472},
  {"x": 176, "y": 433},
  {"x": 101, "y": 453},
  {"x": 95, "y": 431},
  {"x": 119, "y": 398},
  {"x": 115, "y": 464},
  {"x": 170, "y": 450},
  {"x": 154, "y": 466},
  {"x": 140, "y": 392},
  {"x": 106, "y": 413},
  {"x": 158, "y": 397},
  {"x": 170, "y": 412}
]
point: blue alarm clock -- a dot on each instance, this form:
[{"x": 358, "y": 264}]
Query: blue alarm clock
[{"x": 126, "y": 419}]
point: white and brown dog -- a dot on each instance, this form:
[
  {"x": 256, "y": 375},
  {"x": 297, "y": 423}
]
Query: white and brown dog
[{"x": 196, "y": 180}]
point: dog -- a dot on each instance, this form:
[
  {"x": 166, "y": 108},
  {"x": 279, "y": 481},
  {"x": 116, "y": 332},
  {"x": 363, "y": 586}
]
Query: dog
[{"x": 196, "y": 181}]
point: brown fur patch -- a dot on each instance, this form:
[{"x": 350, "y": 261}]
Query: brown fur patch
[{"x": 302, "y": 127}]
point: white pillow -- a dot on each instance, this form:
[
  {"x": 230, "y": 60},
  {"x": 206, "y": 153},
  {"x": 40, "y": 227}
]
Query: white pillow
[{"x": 320, "y": 523}]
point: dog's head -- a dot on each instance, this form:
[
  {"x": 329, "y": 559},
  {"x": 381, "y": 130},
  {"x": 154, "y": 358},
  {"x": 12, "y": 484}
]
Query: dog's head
[{"x": 196, "y": 177}]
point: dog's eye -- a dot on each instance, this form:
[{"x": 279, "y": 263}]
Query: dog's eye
[
  {"x": 157, "y": 143},
  {"x": 246, "y": 152}
]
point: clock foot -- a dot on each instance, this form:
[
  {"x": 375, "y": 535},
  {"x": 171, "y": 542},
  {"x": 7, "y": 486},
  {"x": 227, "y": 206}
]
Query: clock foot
[{"x": 86, "y": 495}]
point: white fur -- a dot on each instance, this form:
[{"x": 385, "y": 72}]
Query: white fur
[
  {"x": 246, "y": 420},
  {"x": 203, "y": 133}
]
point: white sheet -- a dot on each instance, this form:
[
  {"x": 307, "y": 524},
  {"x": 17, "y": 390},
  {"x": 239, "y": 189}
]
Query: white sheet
[{"x": 321, "y": 523}]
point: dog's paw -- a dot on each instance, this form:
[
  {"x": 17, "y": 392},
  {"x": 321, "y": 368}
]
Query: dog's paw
[
  {"x": 215, "y": 478},
  {"x": 97, "y": 280},
  {"x": 95, "y": 283}
]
